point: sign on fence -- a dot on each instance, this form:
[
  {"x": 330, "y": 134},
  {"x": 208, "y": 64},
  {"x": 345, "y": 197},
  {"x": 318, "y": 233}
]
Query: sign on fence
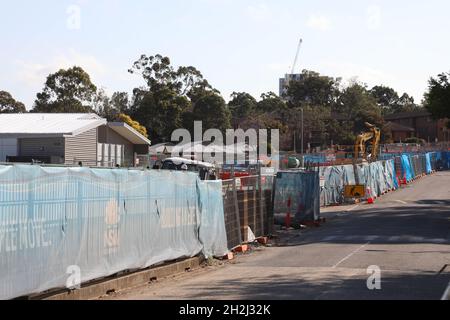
[{"x": 357, "y": 191}]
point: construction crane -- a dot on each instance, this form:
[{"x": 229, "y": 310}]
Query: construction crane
[
  {"x": 289, "y": 76},
  {"x": 374, "y": 135}
]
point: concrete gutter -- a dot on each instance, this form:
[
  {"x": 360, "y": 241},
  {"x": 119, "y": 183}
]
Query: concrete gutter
[{"x": 111, "y": 285}]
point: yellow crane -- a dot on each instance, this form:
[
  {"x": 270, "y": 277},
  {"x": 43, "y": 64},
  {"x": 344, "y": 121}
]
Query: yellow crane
[{"x": 374, "y": 135}]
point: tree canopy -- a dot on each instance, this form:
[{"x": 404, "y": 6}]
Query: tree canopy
[
  {"x": 437, "y": 98},
  {"x": 66, "y": 91},
  {"x": 174, "y": 97},
  {"x": 9, "y": 105}
]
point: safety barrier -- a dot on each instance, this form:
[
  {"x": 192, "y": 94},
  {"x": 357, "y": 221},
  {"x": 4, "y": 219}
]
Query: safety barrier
[
  {"x": 297, "y": 196},
  {"x": 378, "y": 177},
  {"x": 248, "y": 207},
  {"x": 63, "y": 226}
]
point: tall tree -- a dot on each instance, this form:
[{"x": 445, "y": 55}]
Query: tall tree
[
  {"x": 212, "y": 110},
  {"x": 313, "y": 89},
  {"x": 386, "y": 97},
  {"x": 270, "y": 102},
  {"x": 66, "y": 91},
  {"x": 437, "y": 98},
  {"x": 359, "y": 106},
  {"x": 9, "y": 105},
  {"x": 160, "y": 111},
  {"x": 167, "y": 102},
  {"x": 242, "y": 105}
]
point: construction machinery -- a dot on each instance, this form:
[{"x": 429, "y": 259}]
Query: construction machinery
[{"x": 373, "y": 136}]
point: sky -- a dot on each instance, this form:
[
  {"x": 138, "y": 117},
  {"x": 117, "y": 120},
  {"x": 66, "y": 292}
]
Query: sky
[{"x": 238, "y": 45}]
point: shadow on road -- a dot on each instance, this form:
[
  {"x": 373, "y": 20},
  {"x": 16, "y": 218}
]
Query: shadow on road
[
  {"x": 394, "y": 225},
  {"x": 329, "y": 287}
]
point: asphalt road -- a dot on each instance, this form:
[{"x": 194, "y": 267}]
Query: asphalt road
[{"x": 406, "y": 234}]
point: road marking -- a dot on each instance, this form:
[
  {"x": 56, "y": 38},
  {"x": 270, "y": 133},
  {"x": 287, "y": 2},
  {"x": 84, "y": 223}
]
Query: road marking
[
  {"x": 401, "y": 201},
  {"x": 350, "y": 255}
]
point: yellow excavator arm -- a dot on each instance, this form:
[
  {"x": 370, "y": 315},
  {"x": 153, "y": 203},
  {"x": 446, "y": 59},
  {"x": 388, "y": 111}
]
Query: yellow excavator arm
[{"x": 373, "y": 134}]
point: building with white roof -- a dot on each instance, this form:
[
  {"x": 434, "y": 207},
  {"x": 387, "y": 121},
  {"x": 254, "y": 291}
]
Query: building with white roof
[{"x": 69, "y": 139}]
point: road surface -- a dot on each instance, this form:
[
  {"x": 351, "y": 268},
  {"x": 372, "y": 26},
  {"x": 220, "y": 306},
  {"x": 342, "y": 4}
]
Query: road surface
[{"x": 406, "y": 234}]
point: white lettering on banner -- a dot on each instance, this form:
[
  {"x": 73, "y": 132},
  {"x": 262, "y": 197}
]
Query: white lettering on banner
[
  {"x": 29, "y": 234},
  {"x": 112, "y": 219}
]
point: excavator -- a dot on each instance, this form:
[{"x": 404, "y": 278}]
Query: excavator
[{"x": 374, "y": 135}]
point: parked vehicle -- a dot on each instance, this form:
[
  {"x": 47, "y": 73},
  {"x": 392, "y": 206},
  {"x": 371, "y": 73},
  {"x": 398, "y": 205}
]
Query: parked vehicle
[{"x": 206, "y": 170}]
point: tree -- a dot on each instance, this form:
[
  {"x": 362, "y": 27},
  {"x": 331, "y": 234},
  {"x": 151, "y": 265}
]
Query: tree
[
  {"x": 120, "y": 101},
  {"x": 313, "y": 89},
  {"x": 158, "y": 72},
  {"x": 387, "y": 98},
  {"x": 66, "y": 91},
  {"x": 110, "y": 108},
  {"x": 166, "y": 103},
  {"x": 212, "y": 110},
  {"x": 9, "y": 105},
  {"x": 134, "y": 124},
  {"x": 270, "y": 102},
  {"x": 359, "y": 106},
  {"x": 241, "y": 106},
  {"x": 437, "y": 98},
  {"x": 160, "y": 111}
]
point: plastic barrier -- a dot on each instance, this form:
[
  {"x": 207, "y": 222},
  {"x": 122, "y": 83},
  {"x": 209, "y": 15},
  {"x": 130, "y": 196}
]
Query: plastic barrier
[
  {"x": 55, "y": 221},
  {"x": 300, "y": 191},
  {"x": 378, "y": 177}
]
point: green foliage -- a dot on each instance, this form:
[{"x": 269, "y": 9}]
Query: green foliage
[
  {"x": 174, "y": 98},
  {"x": 9, "y": 105},
  {"x": 132, "y": 123},
  {"x": 437, "y": 98},
  {"x": 66, "y": 91},
  {"x": 241, "y": 106},
  {"x": 212, "y": 110},
  {"x": 313, "y": 89}
]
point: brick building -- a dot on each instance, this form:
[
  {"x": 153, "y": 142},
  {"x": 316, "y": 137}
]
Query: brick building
[{"x": 422, "y": 124}]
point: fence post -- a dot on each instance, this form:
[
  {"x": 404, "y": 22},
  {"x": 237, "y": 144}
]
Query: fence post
[
  {"x": 236, "y": 208},
  {"x": 261, "y": 201}
]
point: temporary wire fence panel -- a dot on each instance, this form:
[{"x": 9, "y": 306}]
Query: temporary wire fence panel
[{"x": 231, "y": 213}]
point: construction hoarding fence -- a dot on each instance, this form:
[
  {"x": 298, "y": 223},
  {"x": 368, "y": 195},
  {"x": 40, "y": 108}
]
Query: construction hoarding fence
[
  {"x": 297, "y": 195},
  {"x": 65, "y": 226},
  {"x": 377, "y": 177}
]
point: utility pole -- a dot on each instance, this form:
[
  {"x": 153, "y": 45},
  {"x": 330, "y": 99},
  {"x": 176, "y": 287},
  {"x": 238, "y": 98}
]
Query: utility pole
[{"x": 303, "y": 146}]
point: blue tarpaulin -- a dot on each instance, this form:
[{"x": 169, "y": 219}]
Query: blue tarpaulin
[
  {"x": 302, "y": 188},
  {"x": 100, "y": 222}
]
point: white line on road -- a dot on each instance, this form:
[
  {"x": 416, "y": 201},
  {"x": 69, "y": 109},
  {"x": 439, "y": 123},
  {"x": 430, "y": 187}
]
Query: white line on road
[
  {"x": 350, "y": 255},
  {"x": 402, "y": 202}
]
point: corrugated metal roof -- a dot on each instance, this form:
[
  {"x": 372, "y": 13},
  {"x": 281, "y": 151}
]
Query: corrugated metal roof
[{"x": 48, "y": 124}]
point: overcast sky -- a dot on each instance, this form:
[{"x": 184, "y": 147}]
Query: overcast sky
[{"x": 239, "y": 45}]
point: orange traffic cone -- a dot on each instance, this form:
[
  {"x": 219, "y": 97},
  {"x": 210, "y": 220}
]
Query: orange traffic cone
[{"x": 370, "y": 199}]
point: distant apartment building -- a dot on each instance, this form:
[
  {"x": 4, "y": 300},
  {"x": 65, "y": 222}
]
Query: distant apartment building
[
  {"x": 418, "y": 124},
  {"x": 284, "y": 82}
]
